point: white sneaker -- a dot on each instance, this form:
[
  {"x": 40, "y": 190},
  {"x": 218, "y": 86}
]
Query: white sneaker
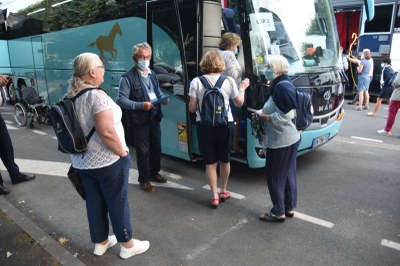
[
  {"x": 100, "y": 249},
  {"x": 384, "y": 132},
  {"x": 138, "y": 248}
]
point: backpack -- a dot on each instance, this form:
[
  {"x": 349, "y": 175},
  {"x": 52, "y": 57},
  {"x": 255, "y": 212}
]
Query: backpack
[
  {"x": 393, "y": 76},
  {"x": 213, "y": 111},
  {"x": 304, "y": 109},
  {"x": 70, "y": 136}
]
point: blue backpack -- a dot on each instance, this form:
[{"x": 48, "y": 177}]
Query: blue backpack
[
  {"x": 213, "y": 111},
  {"x": 304, "y": 109}
]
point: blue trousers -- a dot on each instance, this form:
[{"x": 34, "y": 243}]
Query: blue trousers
[
  {"x": 147, "y": 143},
  {"x": 280, "y": 171},
  {"x": 7, "y": 152},
  {"x": 107, "y": 195}
]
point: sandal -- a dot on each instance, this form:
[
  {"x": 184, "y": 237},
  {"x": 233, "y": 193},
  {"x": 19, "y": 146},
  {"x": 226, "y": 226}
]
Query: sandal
[
  {"x": 270, "y": 217},
  {"x": 214, "y": 203},
  {"x": 224, "y": 195}
]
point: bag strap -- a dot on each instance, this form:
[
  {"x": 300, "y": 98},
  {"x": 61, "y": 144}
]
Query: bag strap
[{"x": 73, "y": 101}]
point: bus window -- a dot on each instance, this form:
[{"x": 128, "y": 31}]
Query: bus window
[
  {"x": 167, "y": 61},
  {"x": 382, "y": 21}
]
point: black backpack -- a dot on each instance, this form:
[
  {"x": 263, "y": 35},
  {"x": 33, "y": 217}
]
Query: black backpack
[
  {"x": 70, "y": 136},
  {"x": 213, "y": 111},
  {"x": 304, "y": 109}
]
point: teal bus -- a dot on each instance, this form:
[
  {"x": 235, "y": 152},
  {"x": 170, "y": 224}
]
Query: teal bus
[
  {"x": 377, "y": 26},
  {"x": 40, "y": 38}
]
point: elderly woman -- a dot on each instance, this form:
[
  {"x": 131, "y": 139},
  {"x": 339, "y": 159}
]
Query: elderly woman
[
  {"x": 228, "y": 46},
  {"x": 364, "y": 78},
  {"x": 214, "y": 142},
  {"x": 283, "y": 139},
  {"x": 104, "y": 167}
]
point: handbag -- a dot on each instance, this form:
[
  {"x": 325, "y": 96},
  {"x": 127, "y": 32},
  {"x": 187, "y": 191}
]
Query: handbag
[{"x": 76, "y": 181}]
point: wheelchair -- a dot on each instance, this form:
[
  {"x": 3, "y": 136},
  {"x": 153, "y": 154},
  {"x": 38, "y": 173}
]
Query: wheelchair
[{"x": 30, "y": 106}]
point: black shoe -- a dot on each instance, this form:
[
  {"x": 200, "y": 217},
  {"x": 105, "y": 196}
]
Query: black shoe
[
  {"x": 350, "y": 102},
  {"x": 269, "y": 217},
  {"x": 23, "y": 178},
  {"x": 4, "y": 190},
  {"x": 158, "y": 178}
]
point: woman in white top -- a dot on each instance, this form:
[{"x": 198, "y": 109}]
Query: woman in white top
[
  {"x": 214, "y": 142},
  {"x": 104, "y": 167}
]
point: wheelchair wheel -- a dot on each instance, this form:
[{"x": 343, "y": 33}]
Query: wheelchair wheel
[{"x": 20, "y": 114}]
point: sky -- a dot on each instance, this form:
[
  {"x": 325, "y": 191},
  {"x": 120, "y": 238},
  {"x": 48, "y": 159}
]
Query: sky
[{"x": 15, "y": 5}]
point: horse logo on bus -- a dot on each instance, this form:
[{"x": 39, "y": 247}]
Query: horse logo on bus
[{"x": 106, "y": 43}]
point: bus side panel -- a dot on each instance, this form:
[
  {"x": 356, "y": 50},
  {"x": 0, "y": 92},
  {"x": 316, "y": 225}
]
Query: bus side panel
[
  {"x": 21, "y": 53},
  {"x": 395, "y": 51},
  {"x": 174, "y": 138},
  {"x": 4, "y": 58}
]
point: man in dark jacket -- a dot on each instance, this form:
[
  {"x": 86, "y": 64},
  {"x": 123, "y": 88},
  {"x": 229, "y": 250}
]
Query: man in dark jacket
[
  {"x": 7, "y": 153},
  {"x": 139, "y": 97},
  {"x": 386, "y": 88}
]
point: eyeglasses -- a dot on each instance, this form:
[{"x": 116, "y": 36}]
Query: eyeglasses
[
  {"x": 142, "y": 57},
  {"x": 102, "y": 66}
]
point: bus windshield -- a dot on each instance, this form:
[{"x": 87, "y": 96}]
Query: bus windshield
[{"x": 301, "y": 31}]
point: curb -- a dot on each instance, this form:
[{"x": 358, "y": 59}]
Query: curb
[{"x": 49, "y": 244}]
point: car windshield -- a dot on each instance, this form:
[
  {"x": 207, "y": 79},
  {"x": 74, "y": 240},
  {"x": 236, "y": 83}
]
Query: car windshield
[{"x": 303, "y": 32}]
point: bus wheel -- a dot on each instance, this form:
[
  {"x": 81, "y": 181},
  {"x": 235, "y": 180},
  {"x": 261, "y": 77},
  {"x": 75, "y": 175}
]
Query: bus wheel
[{"x": 12, "y": 94}]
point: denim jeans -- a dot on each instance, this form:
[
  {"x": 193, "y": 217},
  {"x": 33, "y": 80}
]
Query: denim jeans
[{"x": 107, "y": 195}]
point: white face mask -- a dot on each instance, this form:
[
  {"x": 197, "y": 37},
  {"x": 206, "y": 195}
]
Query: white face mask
[
  {"x": 143, "y": 64},
  {"x": 382, "y": 65}
]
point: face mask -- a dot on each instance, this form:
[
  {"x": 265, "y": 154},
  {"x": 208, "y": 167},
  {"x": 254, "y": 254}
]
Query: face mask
[
  {"x": 269, "y": 74},
  {"x": 143, "y": 64},
  {"x": 236, "y": 51},
  {"x": 382, "y": 65}
]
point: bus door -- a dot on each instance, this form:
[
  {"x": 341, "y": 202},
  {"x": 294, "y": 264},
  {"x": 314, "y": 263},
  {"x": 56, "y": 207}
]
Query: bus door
[
  {"x": 164, "y": 34},
  {"x": 38, "y": 78}
]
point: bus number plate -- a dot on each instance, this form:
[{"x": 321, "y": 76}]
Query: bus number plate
[{"x": 320, "y": 140}]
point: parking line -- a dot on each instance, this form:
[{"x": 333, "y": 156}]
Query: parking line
[
  {"x": 9, "y": 127},
  {"x": 313, "y": 220},
  {"x": 390, "y": 244},
  {"x": 367, "y": 139},
  {"x": 39, "y": 132},
  {"x": 233, "y": 194}
]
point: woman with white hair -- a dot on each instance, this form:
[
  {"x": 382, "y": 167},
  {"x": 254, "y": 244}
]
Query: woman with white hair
[
  {"x": 104, "y": 167},
  {"x": 283, "y": 139}
]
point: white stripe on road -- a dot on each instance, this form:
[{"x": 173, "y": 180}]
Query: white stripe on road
[
  {"x": 8, "y": 122},
  {"x": 233, "y": 194},
  {"x": 171, "y": 175},
  {"x": 367, "y": 139},
  {"x": 61, "y": 169},
  {"x": 9, "y": 127},
  {"x": 313, "y": 220},
  {"x": 39, "y": 132},
  {"x": 390, "y": 244}
]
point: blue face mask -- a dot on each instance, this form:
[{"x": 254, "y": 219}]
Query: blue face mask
[
  {"x": 143, "y": 64},
  {"x": 269, "y": 74}
]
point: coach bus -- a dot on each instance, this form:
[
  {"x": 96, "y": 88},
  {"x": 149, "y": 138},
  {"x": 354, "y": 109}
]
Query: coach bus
[
  {"x": 39, "y": 40},
  {"x": 380, "y": 33}
]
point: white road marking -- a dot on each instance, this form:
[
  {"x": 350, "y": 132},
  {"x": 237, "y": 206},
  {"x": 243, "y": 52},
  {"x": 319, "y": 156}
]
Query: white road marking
[
  {"x": 9, "y": 127},
  {"x": 39, "y": 132},
  {"x": 61, "y": 169},
  {"x": 8, "y": 122},
  {"x": 233, "y": 194},
  {"x": 203, "y": 248},
  {"x": 313, "y": 220},
  {"x": 171, "y": 175},
  {"x": 367, "y": 139},
  {"x": 390, "y": 244},
  {"x": 54, "y": 137}
]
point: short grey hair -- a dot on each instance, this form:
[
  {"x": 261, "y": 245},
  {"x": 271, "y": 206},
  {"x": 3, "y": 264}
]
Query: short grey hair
[
  {"x": 278, "y": 64},
  {"x": 143, "y": 45}
]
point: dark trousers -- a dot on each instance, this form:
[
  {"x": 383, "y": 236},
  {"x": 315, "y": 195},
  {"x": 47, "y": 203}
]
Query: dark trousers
[
  {"x": 147, "y": 143},
  {"x": 7, "y": 152},
  {"x": 107, "y": 195},
  {"x": 280, "y": 171}
]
